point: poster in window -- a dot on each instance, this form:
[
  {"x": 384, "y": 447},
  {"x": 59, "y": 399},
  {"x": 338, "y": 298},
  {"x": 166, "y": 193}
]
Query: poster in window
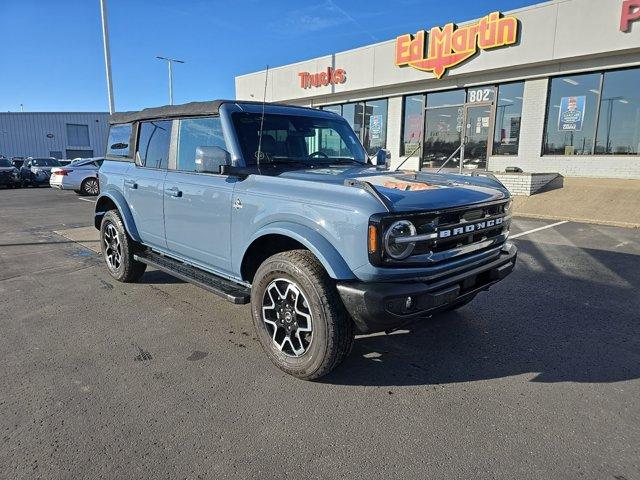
[
  {"x": 375, "y": 127},
  {"x": 571, "y": 115}
]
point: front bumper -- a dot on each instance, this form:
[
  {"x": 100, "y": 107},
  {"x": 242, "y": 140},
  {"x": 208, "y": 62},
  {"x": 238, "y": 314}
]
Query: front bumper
[{"x": 380, "y": 306}]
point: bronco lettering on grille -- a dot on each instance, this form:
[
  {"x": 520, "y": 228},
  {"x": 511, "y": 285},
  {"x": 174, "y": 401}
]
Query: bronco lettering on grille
[{"x": 472, "y": 227}]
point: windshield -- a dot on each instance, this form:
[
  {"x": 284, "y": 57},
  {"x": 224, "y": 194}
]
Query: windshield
[
  {"x": 5, "y": 163},
  {"x": 45, "y": 162},
  {"x": 297, "y": 139}
]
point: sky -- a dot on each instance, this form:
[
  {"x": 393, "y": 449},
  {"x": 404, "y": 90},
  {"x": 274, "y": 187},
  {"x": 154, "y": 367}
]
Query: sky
[{"x": 51, "y": 56}]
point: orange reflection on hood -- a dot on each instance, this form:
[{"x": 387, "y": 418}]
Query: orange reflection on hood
[{"x": 407, "y": 186}]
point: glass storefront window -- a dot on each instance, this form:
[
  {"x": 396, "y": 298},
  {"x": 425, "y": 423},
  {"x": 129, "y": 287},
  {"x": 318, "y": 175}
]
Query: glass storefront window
[
  {"x": 506, "y": 135},
  {"x": 352, "y": 112},
  {"x": 412, "y": 124},
  {"x": 619, "y": 119},
  {"x": 368, "y": 120},
  {"x": 375, "y": 125},
  {"x": 333, "y": 108},
  {"x": 446, "y": 99},
  {"x": 443, "y": 124},
  {"x": 442, "y": 134},
  {"x": 571, "y": 115}
]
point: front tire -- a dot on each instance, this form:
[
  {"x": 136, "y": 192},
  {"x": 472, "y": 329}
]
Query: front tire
[
  {"x": 298, "y": 315},
  {"x": 118, "y": 249}
]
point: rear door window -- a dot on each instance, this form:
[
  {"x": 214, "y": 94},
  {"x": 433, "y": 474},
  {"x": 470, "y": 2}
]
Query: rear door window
[
  {"x": 119, "y": 138},
  {"x": 153, "y": 144}
]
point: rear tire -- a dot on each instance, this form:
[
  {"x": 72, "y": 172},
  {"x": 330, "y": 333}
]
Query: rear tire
[
  {"x": 89, "y": 186},
  {"x": 118, "y": 249},
  {"x": 298, "y": 315}
]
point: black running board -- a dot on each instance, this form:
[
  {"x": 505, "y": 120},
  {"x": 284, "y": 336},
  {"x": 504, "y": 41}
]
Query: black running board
[{"x": 227, "y": 289}]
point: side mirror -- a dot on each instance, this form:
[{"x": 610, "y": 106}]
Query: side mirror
[
  {"x": 211, "y": 159},
  {"x": 383, "y": 158}
]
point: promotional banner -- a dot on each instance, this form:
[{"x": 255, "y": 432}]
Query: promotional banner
[
  {"x": 571, "y": 114},
  {"x": 375, "y": 127}
]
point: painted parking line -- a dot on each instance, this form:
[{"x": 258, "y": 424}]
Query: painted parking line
[
  {"x": 537, "y": 229},
  {"x": 86, "y": 200}
]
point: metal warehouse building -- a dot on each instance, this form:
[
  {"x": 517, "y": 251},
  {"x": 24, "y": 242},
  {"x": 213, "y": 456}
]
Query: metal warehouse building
[
  {"x": 53, "y": 134},
  {"x": 553, "y": 87}
]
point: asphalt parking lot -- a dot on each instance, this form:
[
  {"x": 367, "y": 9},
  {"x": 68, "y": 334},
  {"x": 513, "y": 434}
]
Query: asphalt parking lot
[{"x": 538, "y": 378}]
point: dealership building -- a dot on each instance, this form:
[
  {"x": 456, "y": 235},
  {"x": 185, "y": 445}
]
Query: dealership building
[
  {"x": 554, "y": 87},
  {"x": 53, "y": 134}
]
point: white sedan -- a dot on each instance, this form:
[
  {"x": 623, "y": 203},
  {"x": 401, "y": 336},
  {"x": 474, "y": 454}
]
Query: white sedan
[{"x": 80, "y": 175}]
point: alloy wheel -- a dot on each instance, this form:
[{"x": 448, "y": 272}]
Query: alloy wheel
[
  {"x": 287, "y": 317},
  {"x": 112, "y": 247},
  {"x": 91, "y": 186}
]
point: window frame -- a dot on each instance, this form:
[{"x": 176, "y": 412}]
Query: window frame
[{"x": 602, "y": 74}]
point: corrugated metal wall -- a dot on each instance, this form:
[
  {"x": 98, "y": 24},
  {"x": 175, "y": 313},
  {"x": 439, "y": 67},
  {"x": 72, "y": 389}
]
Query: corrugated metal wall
[{"x": 35, "y": 134}]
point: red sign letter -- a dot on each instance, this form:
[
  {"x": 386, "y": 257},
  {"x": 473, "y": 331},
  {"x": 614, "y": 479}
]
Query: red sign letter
[{"x": 630, "y": 13}]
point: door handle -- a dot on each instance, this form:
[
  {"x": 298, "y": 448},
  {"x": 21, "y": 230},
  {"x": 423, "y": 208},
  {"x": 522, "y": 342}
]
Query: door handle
[
  {"x": 173, "y": 192},
  {"x": 130, "y": 184}
]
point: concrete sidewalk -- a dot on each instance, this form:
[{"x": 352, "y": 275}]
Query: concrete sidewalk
[{"x": 590, "y": 200}]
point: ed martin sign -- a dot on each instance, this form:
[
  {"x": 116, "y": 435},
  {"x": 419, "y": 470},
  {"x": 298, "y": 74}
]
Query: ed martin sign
[
  {"x": 322, "y": 79},
  {"x": 451, "y": 45}
]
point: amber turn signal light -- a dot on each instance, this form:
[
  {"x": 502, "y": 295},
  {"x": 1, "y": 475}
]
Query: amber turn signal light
[{"x": 373, "y": 239}]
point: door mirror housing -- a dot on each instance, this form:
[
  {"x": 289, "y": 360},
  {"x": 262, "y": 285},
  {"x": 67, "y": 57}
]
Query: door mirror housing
[
  {"x": 211, "y": 159},
  {"x": 383, "y": 158}
]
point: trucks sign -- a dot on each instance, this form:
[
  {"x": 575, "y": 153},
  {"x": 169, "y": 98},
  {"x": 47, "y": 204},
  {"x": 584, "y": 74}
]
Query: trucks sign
[
  {"x": 322, "y": 79},
  {"x": 446, "y": 47}
]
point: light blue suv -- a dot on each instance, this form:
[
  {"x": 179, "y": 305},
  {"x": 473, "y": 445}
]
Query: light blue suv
[{"x": 281, "y": 207}]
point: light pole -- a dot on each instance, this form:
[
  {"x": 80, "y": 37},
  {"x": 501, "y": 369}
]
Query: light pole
[
  {"x": 170, "y": 61},
  {"x": 107, "y": 53}
]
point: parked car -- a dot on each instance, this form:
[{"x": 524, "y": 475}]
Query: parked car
[
  {"x": 80, "y": 175},
  {"x": 36, "y": 171},
  {"x": 9, "y": 175},
  {"x": 17, "y": 162},
  {"x": 64, "y": 162},
  {"x": 248, "y": 201}
]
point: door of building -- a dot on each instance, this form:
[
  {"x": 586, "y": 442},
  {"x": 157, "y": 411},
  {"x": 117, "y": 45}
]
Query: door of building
[{"x": 477, "y": 128}]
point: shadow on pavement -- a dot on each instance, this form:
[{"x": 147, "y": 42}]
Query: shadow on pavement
[
  {"x": 551, "y": 320},
  {"x": 158, "y": 277}
]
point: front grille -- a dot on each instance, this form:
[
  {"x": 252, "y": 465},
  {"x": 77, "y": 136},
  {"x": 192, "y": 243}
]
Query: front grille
[
  {"x": 447, "y": 234},
  {"x": 458, "y": 219}
]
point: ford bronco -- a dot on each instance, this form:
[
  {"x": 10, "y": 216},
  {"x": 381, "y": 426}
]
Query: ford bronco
[{"x": 280, "y": 206}]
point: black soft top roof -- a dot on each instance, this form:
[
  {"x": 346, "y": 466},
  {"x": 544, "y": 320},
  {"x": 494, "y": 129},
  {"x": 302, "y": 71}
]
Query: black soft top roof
[{"x": 192, "y": 109}]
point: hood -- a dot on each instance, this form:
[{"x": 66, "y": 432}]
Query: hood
[{"x": 408, "y": 191}]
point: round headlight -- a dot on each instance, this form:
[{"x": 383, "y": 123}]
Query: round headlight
[{"x": 397, "y": 230}]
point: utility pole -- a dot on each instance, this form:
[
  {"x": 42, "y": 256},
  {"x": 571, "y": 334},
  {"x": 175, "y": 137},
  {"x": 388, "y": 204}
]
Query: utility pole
[
  {"x": 107, "y": 53},
  {"x": 170, "y": 61}
]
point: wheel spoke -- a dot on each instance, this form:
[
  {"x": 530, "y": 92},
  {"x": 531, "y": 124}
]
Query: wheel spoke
[{"x": 286, "y": 313}]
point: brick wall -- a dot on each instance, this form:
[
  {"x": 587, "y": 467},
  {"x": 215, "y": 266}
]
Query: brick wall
[{"x": 525, "y": 183}]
